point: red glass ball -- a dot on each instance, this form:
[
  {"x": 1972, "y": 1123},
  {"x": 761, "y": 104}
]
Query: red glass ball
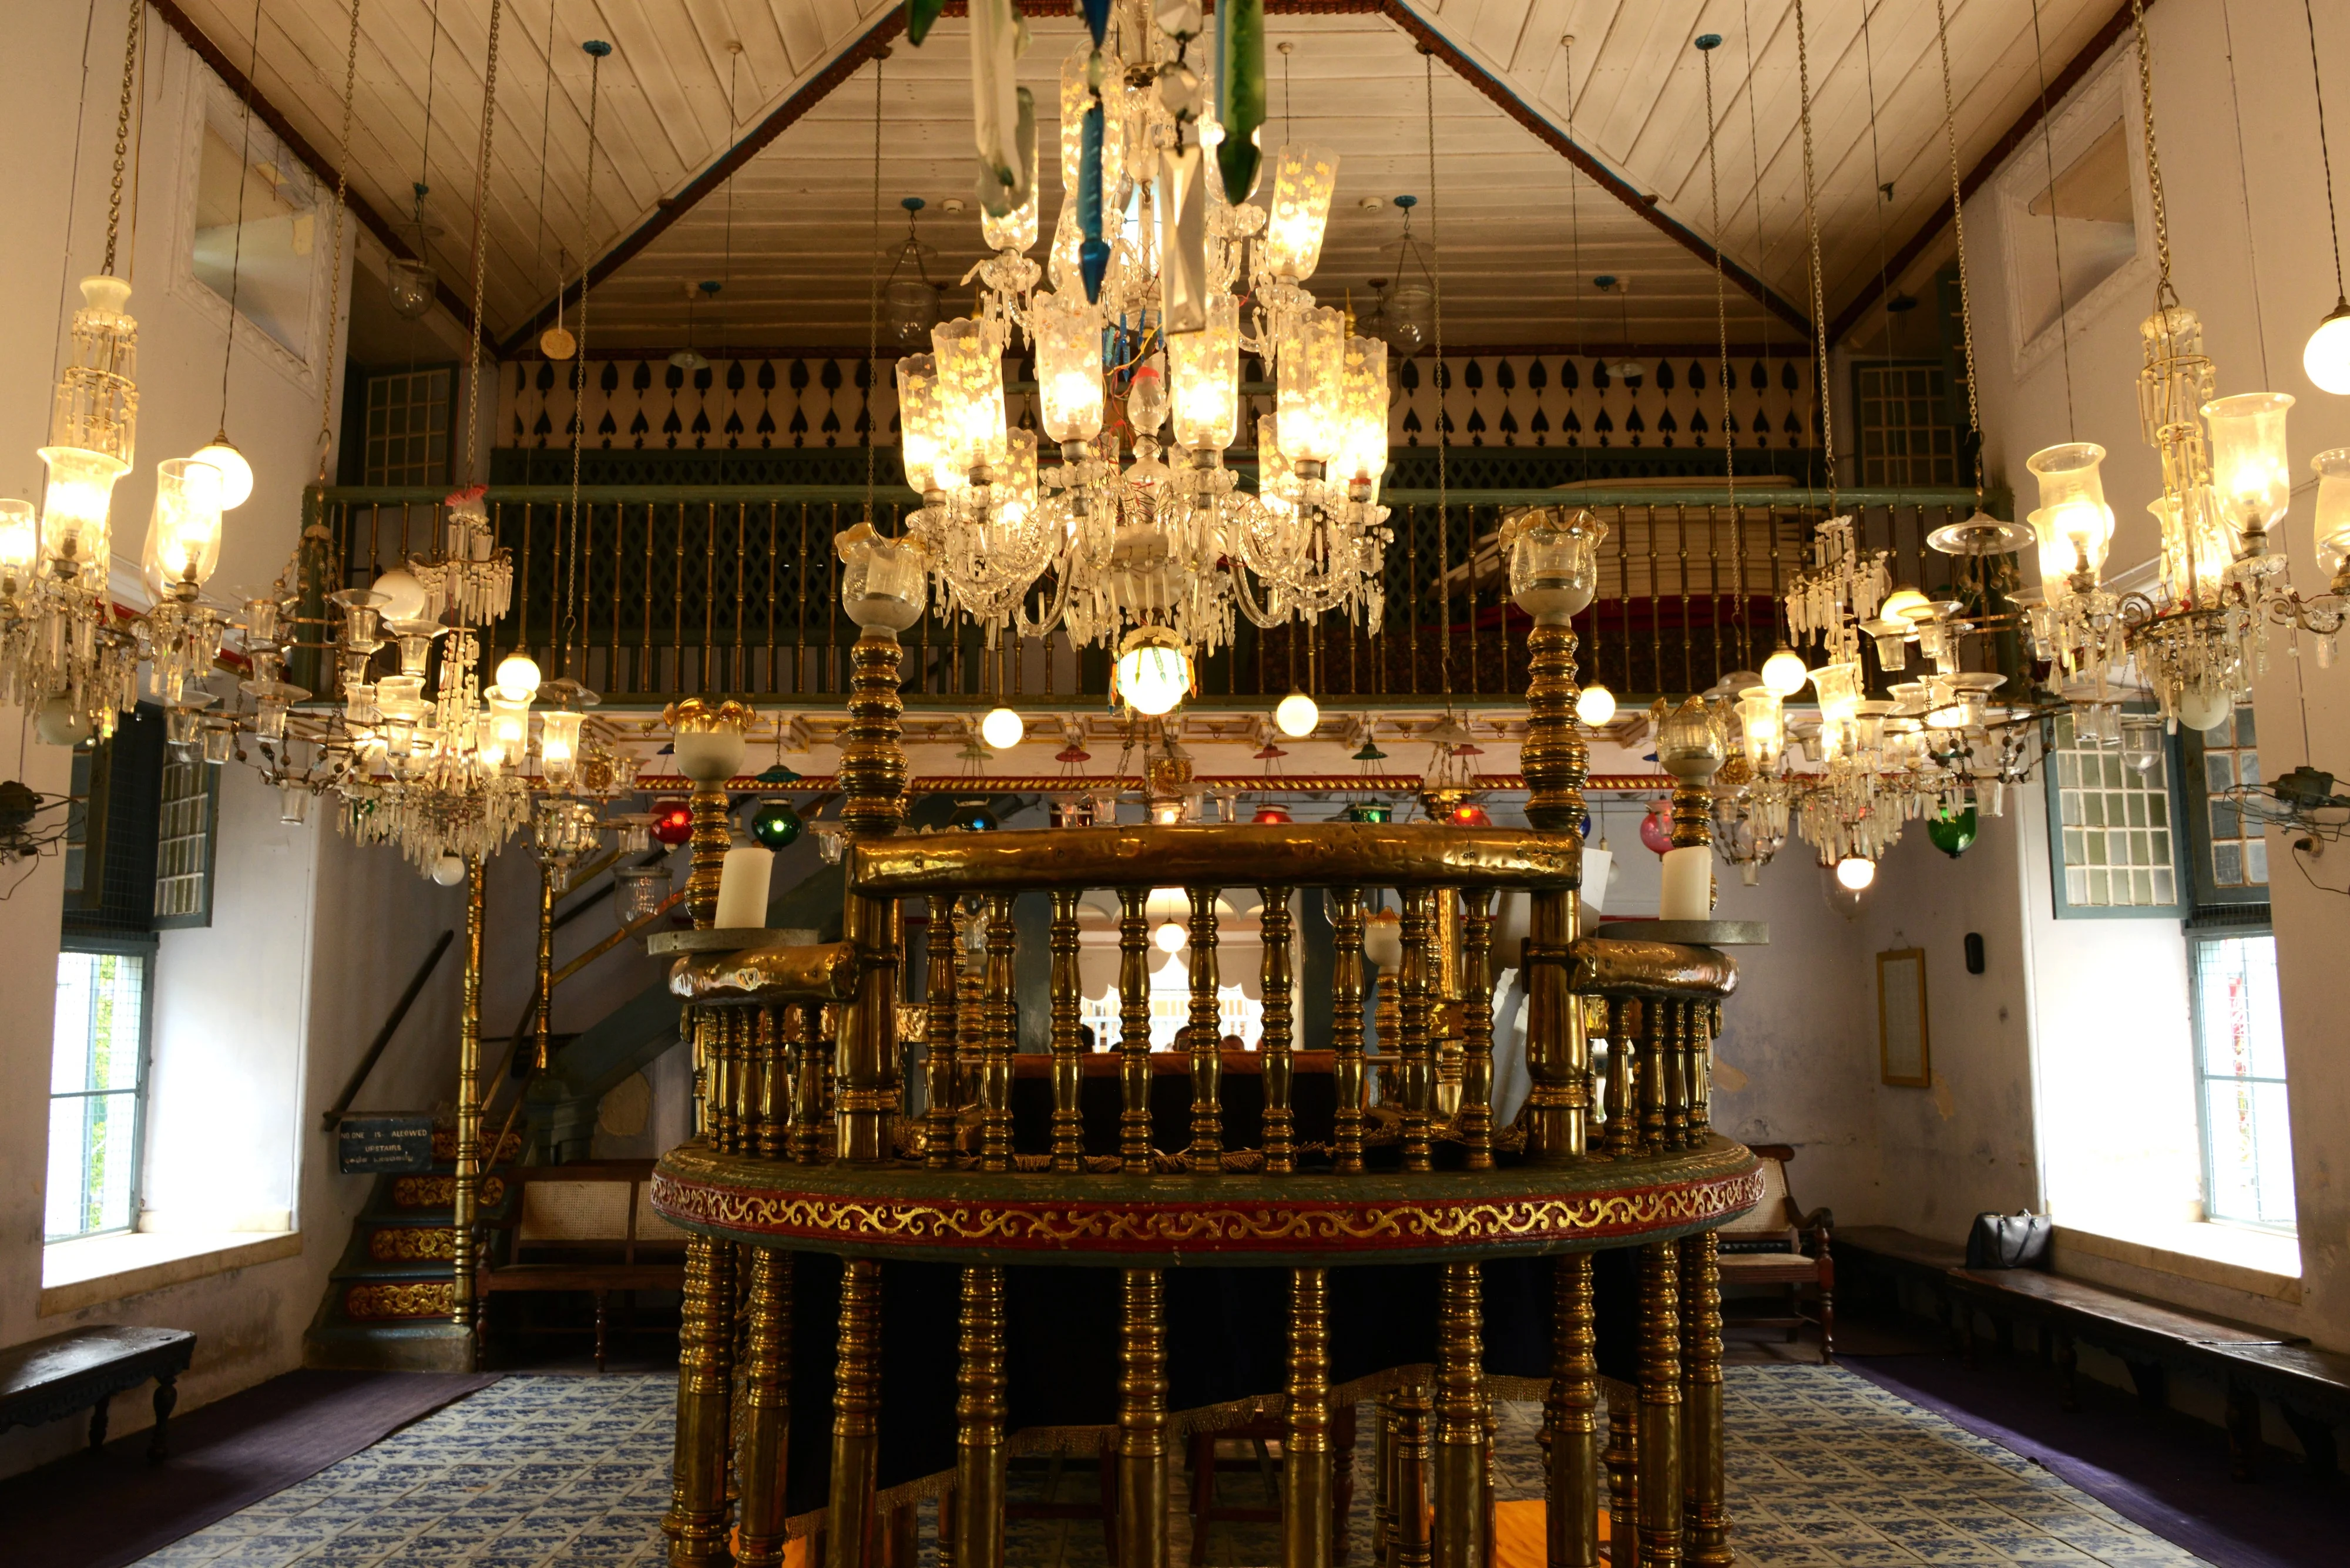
[
  {"x": 673, "y": 822},
  {"x": 1657, "y": 828}
]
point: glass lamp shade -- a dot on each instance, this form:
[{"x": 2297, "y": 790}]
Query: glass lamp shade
[
  {"x": 1276, "y": 481},
  {"x": 236, "y": 474},
  {"x": 1205, "y": 367},
  {"x": 1906, "y": 603},
  {"x": 413, "y": 286},
  {"x": 1016, "y": 229},
  {"x": 1068, "y": 368},
  {"x": 518, "y": 677},
  {"x": 884, "y": 583},
  {"x": 920, "y": 438},
  {"x": 1764, "y": 727},
  {"x": 506, "y": 735},
  {"x": 707, "y": 738},
  {"x": 1408, "y": 321},
  {"x": 2078, "y": 525},
  {"x": 2251, "y": 473},
  {"x": 970, "y": 393},
  {"x": 1001, "y": 728},
  {"x": 1154, "y": 671},
  {"x": 20, "y": 543},
  {"x": 2196, "y": 547},
  {"x": 1839, "y": 686},
  {"x": 638, "y": 892},
  {"x": 2326, "y": 356},
  {"x": 183, "y": 531},
  {"x": 913, "y": 307},
  {"x": 1687, "y": 745},
  {"x": 96, "y": 406},
  {"x": 1383, "y": 939},
  {"x": 1594, "y": 705},
  {"x": 75, "y": 533},
  {"x": 403, "y": 595},
  {"x": 1302, "y": 180},
  {"x": 558, "y": 745},
  {"x": 1555, "y": 563},
  {"x": 1363, "y": 407},
  {"x": 2331, "y": 526},
  {"x": 1308, "y": 385},
  {"x": 1295, "y": 715},
  {"x": 1784, "y": 671}
]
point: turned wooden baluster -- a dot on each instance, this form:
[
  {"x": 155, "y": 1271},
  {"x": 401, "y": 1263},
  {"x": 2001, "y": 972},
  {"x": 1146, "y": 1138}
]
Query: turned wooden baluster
[
  {"x": 1000, "y": 1011},
  {"x": 1277, "y": 985},
  {"x": 1069, "y": 1069},
  {"x": 980, "y": 1415},
  {"x": 1570, "y": 1424},
  {"x": 1345, "y": 905},
  {"x": 1206, "y": 1155},
  {"x": 1700, "y": 1100},
  {"x": 943, "y": 1123},
  {"x": 1134, "y": 1030},
  {"x": 1464, "y": 1486},
  {"x": 1556, "y": 761},
  {"x": 1417, "y": 1078},
  {"x": 1475, "y": 1126}
]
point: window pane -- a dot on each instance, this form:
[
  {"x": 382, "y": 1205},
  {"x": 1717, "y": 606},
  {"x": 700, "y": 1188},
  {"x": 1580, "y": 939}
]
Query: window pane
[
  {"x": 91, "y": 1156},
  {"x": 2251, "y": 1152},
  {"x": 99, "y": 1007},
  {"x": 97, "y": 1074}
]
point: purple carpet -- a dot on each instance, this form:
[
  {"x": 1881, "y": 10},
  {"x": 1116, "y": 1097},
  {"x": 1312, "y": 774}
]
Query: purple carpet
[
  {"x": 2166, "y": 1472},
  {"x": 106, "y": 1509}
]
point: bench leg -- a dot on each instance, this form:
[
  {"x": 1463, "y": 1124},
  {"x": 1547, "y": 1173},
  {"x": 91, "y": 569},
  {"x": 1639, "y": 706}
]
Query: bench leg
[
  {"x": 2316, "y": 1442},
  {"x": 603, "y": 1303},
  {"x": 98, "y": 1422},
  {"x": 2153, "y": 1385},
  {"x": 2243, "y": 1433},
  {"x": 167, "y": 1394},
  {"x": 2068, "y": 1372}
]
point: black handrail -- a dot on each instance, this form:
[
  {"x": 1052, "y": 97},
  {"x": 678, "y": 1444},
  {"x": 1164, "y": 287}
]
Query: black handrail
[{"x": 383, "y": 1035}]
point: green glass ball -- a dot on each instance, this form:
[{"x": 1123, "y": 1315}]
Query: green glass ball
[
  {"x": 1951, "y": 834},
  {"x": 776, "y": 824}
]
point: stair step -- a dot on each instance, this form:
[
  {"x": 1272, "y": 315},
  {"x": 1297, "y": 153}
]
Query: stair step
[{"x": 391, "y": 1346}]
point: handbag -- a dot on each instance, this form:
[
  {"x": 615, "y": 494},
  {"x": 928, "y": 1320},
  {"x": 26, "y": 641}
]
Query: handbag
[{"x": 2018, "y": 1240}]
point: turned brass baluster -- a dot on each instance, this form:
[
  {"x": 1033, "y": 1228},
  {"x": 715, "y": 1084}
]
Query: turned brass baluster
[
  {"x": 1570, "y": 1424},
  {"x": 1207, "y": 1040},
  {"x": 765, "y": 1444},
  {"x": 1418, "y": 1078},
  {"x": 1659, "y": 1449},
  {"x": 1703, "y": 1485},
  {"x": 1554, "y": 760},
  {"x": 1068, "y": 1071},
  {"x": 850, "y": 1532},
  {"x": 979, "y": 1423},
  {"x": 697, "y": 1520},
  {"x": 1676, "y": 1032},
  {"x": 1277, "y": 985},
  {"x": 1409, "y": 1498},
  {"x": 1623, "y": 1462},
  {"x": 1346, "y": 906},
  {"x": 1000, "y": 1014},
  {"x": 1305, "y": 1524},
  {"x": 1623, "y": 1110},
  {"x": 1654, "y": 1032},
  {"x": 1464, "y": 1486},
  {"x": 945, "y": 1081},
  {"x": 1475, "y": 1127},
  {"x": 873, "y": 780},
  {"x": 774, "y": 1087},
  {"x": 1143, "y": 1443},
  {"x": 1700, "y": 1100},
  {"x": 809, "y": 1055},
  {"x": 1134, "y": 1032}
]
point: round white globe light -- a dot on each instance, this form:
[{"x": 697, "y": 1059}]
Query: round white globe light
[
  {"x": 1855, "y": 872},
  {"x": 1153, "y": 675},
  {"x": 1168, "y": 937},
  {"x": 1296, "y": 715},
  {"x": 2205, "y": 707},
  {"x": 2326, "y": 356},
  {"x": 1595, "y": 706},
  {"x": 448, "y": 870},
  {"x": 403, "y": 595},
  {"x": 1784, "y": 671},
  {"x": 1906, "y": 603},
  {"x": 1001, "y": 728},
  {"x": 518, "y": 677},
  {"x": 236, "y": 474}
]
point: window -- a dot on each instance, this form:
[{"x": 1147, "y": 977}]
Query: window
[
  {"x": 2070, "y": 235},
  {"x": 256, "y": 228},
  {"x": 2231, "y": 854},
  {"x": 184, "y": 829},
  {"x": 2111, "y": 848},
  {"x": 1906, "y": 437},
  {"x": 2240, "y": 1079},
  {"x": 98, "y": 1086},
  {"x": 408, "y": 415}
]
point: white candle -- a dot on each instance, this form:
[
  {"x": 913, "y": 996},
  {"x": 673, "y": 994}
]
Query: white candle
[
  {"x": 742, "y": 888},
  {"x": 1689, "y": 883},
  {"x": 1596, "y": 866}
]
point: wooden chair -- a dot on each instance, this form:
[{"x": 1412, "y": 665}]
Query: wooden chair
[
  {"x": 590, "y": 1227},
  {"x": 1258, "y": 1434},
  {"x": 1779, "y": 1246}
]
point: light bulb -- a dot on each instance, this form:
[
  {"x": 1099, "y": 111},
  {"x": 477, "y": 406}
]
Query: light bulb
[
  {"x": 1296, "y": 715},
  {"x": 1855, "y": 872},
  {"x": 1168, "y": 937},
  {"x": 518, "y": 676},
  {"x": 1595, "y": 706},
  {"x": 448, "y": 870},
  {"x": 1784, "y": 671},
  {"x": 236, "y": 474},
  {"x": 2326, "y": 357},
  {"x": 1001, "y": 728}
]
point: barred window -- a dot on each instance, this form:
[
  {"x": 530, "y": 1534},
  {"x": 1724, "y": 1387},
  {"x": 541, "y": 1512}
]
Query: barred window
[
  {"x": 408, "y": 415},
  {"x": 185, "y": 829},
  {"x": 2110, "y": 829}
]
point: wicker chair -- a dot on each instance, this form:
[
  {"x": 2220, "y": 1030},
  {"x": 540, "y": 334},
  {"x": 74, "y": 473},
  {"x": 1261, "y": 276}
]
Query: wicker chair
[{"x": 1780, "y": 1248}]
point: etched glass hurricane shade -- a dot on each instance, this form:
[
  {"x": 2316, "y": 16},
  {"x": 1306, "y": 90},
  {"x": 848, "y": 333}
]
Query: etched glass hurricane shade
[
  {"x": 2074, "y": 524},
  {"x": 1069, "y": 368},
  {"x": 1206, "y": 371},
  {"x": 2251, "y": 473},
  {"x": 884, "y": 584},
  {"x": 2330, "y": 525},
  {"x": 183, "y": 533},
  {"x": 20, "y": 543},
  {"x": 1304, "y": 178},
  {"x": 1553, "y": 564},
  {"x": 1308, "y": 385}
]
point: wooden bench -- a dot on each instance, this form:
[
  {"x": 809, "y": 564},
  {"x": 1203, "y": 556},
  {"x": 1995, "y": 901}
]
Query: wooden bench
[
  {"x": 83, "y": 1368},
  {"x": 1882, "y": 1258},
  {"x": 2311, "y": 1387},
  {"x": 588, "y": 1227}
]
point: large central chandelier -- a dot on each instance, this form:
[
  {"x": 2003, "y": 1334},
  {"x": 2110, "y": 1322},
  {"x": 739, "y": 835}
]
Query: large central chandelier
[{"x": 1141, "y": 538}]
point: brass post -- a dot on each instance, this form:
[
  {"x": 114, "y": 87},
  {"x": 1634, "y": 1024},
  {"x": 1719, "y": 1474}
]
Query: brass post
[
  {"x": 1677, "y": 1071},
  {"x": 1418, "y": 1055},
  {"x": 1623, "y": 1481},
  {"x": 1475, "y": 1124},
  {"x": 1305, "y": 1522},
  {"x": 1706, "y": 1026},
  {"x": 1409, "y": 1497},
  {"x": 945, "y": 1070},
  {"x": 775, "y": 1087},
  {"x": 719, "y": 1100},
  {"x": 1661, "y": 1406},
  {"x": 808, "y": 1055},
  {"x": 1134, "y": 1032},
  {"x": 708, "y": 847},
  {"x": 1655, "y": 1013},
  {"x": 1207, "y": 1039},
  {"x": 1570, "y": 1424},
  {"x": 1142, "y": 1457},
  {"x": 1068, "y": 1071},
  {"x": 979, "y": 1423},
  {"x": 850, "y": 1532},
  {"x": 1000, "y": 1016},
  {"x": 1555, "y": 760},
  {"x": 464, "y": 1201},
  {"x": 1463, "y": 1486},
  {"x": 1277, "y": 983},
  {"x": 764, "y": 1442},
  {"x": 1345, "y": 905},
  {"x": 1623, "y": 1109},
  {"x": 1704, "y": 1488},
  {"x": 543, "y": 1012},
  {"x": 873, "y": 781},
  {"x": 697, "y": 1519},
  {"x": 872, "y": 757}
]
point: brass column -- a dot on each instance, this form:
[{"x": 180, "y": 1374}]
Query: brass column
[
  {"x": 465, "y": 1199},
  {"x": 1570, "y": 1424},
  {"x": 1277, "y": 983},
  {"x": 543, "y": 1012},
  {"x": 1703, "y": 1488},
  {"x": 1407, "y": 1494},
  {"x": 697, "y": 1519},
  {"x": 1134, "y": 1032},
  {"x": 763, "y": 1449},
  {"x": 945, "y": 1069},
  {"x": 1463, "y": 1486},
  {"x": 1623, "y": 1480},
  {"x": 851, "y": 1532},
  {"x": 1142, "y": 1457},
  {"x": 1207, "y": 1039},
  {"x": 1068, "y": 1071},
  {"x": 708, "y": 848},
  {"x": 1555, "y": 760},
  {"x": 979, "y": 1423},
  {"x": 873, "y": 780},
  {"x": 1475, "y": 1124},
  {"x": 1305, "y": 1522},
  {"x": 1660, "y": 1451},
  {"x": 1347, "y": 1024}
]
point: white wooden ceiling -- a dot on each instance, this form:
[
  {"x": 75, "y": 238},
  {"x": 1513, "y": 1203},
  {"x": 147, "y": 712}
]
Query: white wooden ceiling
[{"x": 1505, "y": 204}]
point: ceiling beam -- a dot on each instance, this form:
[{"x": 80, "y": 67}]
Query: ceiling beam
[
  {"x": 213, "y": 56},
  {"x": 2063, "y": 82}
]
